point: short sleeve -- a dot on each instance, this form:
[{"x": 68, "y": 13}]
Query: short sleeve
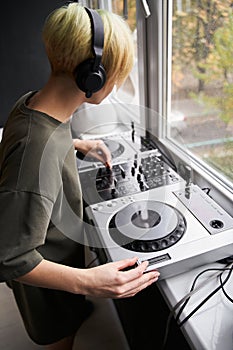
[{"x": 24, "y": 220}]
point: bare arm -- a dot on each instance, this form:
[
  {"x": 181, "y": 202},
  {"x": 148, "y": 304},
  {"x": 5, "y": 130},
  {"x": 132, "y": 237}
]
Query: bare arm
[{"x": 106, "y": 281}]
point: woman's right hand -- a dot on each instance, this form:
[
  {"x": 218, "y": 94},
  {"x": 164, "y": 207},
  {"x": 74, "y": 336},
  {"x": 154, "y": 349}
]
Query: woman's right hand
[
  {"x": 116, "y": 279},
  {"x": 120, "y": 279}
]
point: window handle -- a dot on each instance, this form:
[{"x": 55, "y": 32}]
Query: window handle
[{"x": 145, "y": 8}]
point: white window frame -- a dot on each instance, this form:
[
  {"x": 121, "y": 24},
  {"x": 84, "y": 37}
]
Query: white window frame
[
  {"x": 157, "y": 80},
  {"x": 154, "y": 69}
]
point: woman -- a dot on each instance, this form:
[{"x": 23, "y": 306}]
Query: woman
[{"x": 41, "y": 228}]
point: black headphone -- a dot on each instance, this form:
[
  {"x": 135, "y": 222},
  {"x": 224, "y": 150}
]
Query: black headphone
[{"x": 90, "y": 75}]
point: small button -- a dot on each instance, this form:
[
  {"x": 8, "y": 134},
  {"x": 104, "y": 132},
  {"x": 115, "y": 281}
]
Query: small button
[
  {"x": 164, "y": 243},
  {"x": 133, "y": 171},
  {"x": 154, "y": 246},
  {"x": 98, "y": 207},
  {"x": 217, "y": 224}
]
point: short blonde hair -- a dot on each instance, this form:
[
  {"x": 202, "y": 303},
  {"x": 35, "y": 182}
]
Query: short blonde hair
[{"x": 67, "y": 37}]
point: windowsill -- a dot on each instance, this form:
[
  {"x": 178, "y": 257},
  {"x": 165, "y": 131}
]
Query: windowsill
[
  {"x": 208, "y": 328},
  {"x": 220, "y": 192}
]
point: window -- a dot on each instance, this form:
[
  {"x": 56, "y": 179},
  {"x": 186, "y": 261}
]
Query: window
[
  {"x": 114, "y": 112},
  {"x": 200, "y": 109},
  {"x": 185, "y": 68},
  {"x": 129, "y": 91}
]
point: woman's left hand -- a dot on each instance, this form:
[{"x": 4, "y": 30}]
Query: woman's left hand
[{"x": 94, "y": 148}]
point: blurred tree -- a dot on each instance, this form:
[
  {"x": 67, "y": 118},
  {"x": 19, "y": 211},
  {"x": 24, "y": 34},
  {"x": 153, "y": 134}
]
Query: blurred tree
[
  {"x": 193, "y": 33},
  {"x": 218, "y": 67}
]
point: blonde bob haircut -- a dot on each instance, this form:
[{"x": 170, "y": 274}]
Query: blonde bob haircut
[{"x": 67, "y": 38}]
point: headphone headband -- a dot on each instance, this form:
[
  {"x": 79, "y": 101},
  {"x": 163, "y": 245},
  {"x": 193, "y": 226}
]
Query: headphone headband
[
  {"x": 90, "y": 75},
  {"x": 97, "y": 36}
]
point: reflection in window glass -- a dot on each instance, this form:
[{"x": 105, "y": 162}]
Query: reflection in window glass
[
  {"x": 129, "y": 91},
  {"x": 202, "y": 80},
  {"x": 101, "y": 119}
]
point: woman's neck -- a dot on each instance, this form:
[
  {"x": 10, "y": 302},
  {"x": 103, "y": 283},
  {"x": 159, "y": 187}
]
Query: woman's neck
[{"x": 59, "y": 98}]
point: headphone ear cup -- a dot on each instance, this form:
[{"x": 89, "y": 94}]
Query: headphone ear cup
[{"x": 88, "y": 80}]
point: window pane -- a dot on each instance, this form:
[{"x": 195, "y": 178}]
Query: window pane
[
  {"x": 110, "y": 120},
  {"x": 202, "y": 80},
  {"x": 129, "y": 91}
]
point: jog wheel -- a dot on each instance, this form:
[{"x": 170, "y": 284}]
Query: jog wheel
[{"x": 147, "y": 226}]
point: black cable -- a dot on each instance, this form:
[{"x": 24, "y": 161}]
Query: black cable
[
  {"x": 226, "y": 261},
  {"x": 187, "y": 297},
  {"x": 224, "y": 292},
  {"x": 184, "y": 300},
  {"x": 207, "y": 190},
  {"x": 207, "y": 298},
  {"x": 193, "y": 286}
]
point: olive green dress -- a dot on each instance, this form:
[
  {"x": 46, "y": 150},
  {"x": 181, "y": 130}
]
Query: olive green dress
[{"x": 40, "y": 218}]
